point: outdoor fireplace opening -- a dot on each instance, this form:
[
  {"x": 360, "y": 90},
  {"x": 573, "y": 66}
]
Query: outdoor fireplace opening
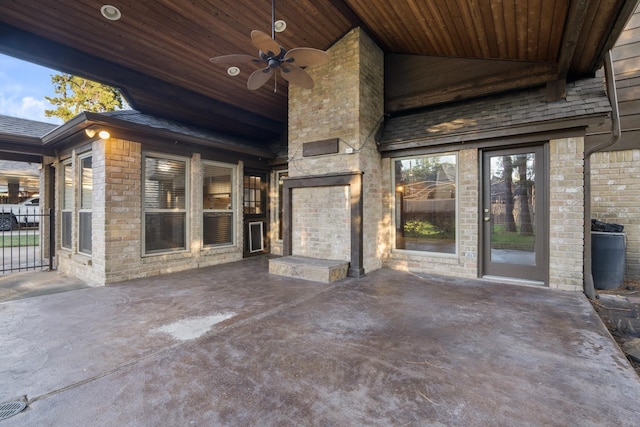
[
  {"x": 323, "y": 218},
  {"x": 321, "y": 223}
]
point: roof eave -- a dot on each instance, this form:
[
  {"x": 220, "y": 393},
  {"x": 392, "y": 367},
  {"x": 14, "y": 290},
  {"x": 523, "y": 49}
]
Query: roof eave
[{"x": 69, "y": 132}]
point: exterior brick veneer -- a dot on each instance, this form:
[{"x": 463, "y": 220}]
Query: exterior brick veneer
[
  {"x": 117, "y": 249},
  {"x": 615, "y": 198},
  {"x": 346, "y": 103},
  {"x": 566, "y": 213}
]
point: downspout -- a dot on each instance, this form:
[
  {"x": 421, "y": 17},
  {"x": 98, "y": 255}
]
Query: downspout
[{"x": 610, "y": 79}]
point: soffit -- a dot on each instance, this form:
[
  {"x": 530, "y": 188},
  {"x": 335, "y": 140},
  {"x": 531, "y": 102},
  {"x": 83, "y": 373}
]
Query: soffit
[{"x": 158, "y": 52}]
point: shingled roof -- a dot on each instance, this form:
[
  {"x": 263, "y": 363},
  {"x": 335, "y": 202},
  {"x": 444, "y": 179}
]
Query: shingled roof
[
  {"x": 139, "y": 118},
  {"x": 482, "y": 118},
  {"x": 24, "y": 127}
]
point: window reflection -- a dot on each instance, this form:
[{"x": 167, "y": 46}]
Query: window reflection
[{"x": 426, "y": 203}]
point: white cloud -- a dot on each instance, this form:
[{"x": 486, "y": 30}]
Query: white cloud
[
  {"x": 26, "y": 107},
  {"x": 23, "y": 87}
]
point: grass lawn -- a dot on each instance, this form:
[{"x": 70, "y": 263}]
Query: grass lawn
[
  {"x": 22, "y": 240},
  {"x": 501, "y": 239}
]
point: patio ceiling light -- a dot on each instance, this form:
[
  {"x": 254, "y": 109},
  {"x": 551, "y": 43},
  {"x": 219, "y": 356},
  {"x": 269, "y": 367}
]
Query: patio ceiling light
[
  {"x": 110, "y": 12},
  {"x": 279, "y": 26},
  {"x": 233, "y": 71}
]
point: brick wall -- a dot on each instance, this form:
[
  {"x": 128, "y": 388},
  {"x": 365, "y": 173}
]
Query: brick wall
[
  {"x": 346, "y": 103},
  {"x": 322, "y": 221},
  {"x": 123, "y": 209},
  {"x": 117, "y": 221},
  {"x": 566, "y": 213},
  {"x": 615, "y": 198}
]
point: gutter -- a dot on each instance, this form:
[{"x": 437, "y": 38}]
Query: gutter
[{"x": 610, "y": 79}]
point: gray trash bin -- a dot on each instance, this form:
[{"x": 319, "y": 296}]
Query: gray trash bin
[{"x": 608, "y": 258}]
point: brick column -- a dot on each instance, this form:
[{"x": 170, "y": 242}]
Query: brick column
[
  {"x": 566, "y": 213},
  {"x": 122, "y": 210},
  {"x": 346, "y": 103}
]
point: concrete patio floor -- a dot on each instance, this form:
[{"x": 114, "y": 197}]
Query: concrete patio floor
[{"x": 232, "y": 345}]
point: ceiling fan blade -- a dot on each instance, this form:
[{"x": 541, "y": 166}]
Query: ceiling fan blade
[
  {"x": 297, "y": 76},
  {"x": 258, "y": 78},
  {"x": 264, "y": 42},
  {"x": 233, "y": 59},
  {"x": 306, "y": 56}
]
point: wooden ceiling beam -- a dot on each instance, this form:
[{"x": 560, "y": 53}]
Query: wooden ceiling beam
[{"x": 576, "y": 18}]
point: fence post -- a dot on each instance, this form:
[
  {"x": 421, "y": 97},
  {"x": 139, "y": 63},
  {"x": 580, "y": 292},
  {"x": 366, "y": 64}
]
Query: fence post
[{"x": 51, "y": 239}]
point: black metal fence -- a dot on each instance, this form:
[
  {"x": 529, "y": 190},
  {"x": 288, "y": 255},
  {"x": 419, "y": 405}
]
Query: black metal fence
[{"x": 23, "y": 244}]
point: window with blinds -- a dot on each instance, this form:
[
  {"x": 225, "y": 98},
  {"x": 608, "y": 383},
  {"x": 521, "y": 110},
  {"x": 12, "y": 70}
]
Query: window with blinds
[
  {"x": 86, "y": 204},
  {"x": 218, "y": 215},
  {"x": 165, "y": 205},
  {"x": 67, "y": 205}
]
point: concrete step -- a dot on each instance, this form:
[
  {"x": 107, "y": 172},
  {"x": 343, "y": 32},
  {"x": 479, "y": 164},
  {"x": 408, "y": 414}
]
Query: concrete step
[{"x": 305, "y": 268}]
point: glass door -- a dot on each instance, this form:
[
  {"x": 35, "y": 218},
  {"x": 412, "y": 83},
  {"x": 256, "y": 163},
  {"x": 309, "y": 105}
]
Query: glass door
[
  {"x": 514, "y": 214},
  {"x": 255, "y": 212}
]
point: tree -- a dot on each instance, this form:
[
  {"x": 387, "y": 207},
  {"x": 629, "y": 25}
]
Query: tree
[
  {"x": 510, "y": 223},
  {"x": 525, "y": 184},
  {"x": 78, "y": 95}
]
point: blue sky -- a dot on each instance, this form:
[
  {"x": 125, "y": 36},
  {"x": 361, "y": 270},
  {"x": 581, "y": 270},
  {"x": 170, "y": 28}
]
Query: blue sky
[{"x": 23, "y": 86}]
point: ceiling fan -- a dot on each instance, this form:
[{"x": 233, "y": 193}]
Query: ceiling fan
[{"x": 273, "y": 56}]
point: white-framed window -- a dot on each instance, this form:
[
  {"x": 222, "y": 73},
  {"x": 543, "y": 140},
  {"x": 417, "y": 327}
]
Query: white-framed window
[
  {"x": 280, "y": 175},
  {"x": 426, "y": 203},
  {"x": 218, "y": 210},
  {"x": 164, "y": 203},
  {"x": 86, "y": 204},
  {"x": 67, "y": 205}
]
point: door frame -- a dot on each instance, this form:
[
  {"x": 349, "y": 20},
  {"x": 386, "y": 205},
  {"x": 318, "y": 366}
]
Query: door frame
[
  {"x": 536, "y": 274},
  {"x": 250, "y": 221}
]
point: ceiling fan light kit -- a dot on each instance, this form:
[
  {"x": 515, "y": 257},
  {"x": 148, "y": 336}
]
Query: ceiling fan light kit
[
  {"x": 272, "y": 56},
  {"x": 279, "y": 26}
]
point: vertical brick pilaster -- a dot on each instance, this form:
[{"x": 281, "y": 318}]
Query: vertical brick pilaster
[
  {"x": 566, "y": 213},
  {"x": 123, "y": 209}
]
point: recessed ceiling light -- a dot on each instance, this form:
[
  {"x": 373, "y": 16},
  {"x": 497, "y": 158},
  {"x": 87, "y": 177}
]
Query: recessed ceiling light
[
  {"x": 233, "y": 71},
  {"x": 110, "y": 12},
  {"x": 279, "y": 26}
]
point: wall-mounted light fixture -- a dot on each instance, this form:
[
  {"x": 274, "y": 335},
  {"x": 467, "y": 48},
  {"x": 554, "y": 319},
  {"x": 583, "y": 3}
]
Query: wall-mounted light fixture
[{"x": 102, "y": 134}]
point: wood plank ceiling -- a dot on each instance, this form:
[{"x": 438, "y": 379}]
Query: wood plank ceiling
[{"x": 436, "y": 51}]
